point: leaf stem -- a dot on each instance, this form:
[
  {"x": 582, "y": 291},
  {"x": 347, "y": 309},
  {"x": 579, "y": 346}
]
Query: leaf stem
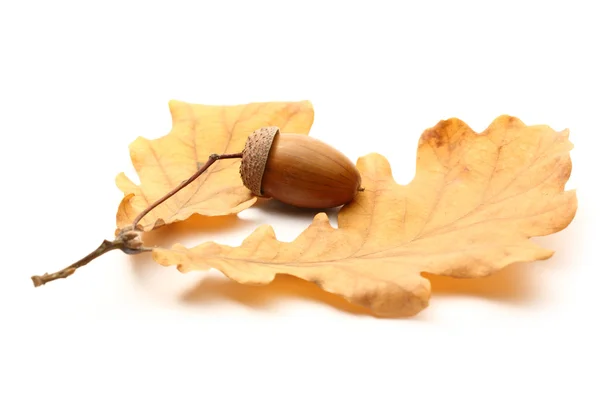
[{"x": 211, "y": 160}]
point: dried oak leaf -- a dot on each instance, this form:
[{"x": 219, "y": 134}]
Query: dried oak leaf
[
  {"x": 475, "y": 201},
  {"x": 197, "y": 132}
]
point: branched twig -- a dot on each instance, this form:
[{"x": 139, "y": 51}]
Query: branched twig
[{"x": 129, "y": 239}]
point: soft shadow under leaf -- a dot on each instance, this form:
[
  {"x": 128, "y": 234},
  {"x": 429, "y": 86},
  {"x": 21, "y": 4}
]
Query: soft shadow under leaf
[
  {"x": 283, "y": 287},
  {"x": 515, "y": 283}
]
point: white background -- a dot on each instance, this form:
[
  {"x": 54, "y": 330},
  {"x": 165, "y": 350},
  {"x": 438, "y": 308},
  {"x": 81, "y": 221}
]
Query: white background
[{"x": 79, "y": 81}]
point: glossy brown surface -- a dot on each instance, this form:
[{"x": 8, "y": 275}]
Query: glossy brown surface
[{"x": 306, "y": 172}]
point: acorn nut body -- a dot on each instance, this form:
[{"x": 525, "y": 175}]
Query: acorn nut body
[{"x": 298, "y": 170}]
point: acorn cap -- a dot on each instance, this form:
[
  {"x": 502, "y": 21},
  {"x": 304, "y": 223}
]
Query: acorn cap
[{"x": 255, "y": 156}]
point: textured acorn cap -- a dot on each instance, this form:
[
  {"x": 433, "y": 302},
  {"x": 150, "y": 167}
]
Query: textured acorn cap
[{"x": 255, "y": 156}]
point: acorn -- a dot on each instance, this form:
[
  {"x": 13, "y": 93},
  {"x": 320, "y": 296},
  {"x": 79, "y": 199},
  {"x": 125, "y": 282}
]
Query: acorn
[{"x": 298, "y": 170}]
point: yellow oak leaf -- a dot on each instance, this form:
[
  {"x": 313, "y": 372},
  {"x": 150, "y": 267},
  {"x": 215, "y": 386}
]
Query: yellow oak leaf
[
  {"x": 470, "y": 210},
  {"x": 197, "y": 132}
]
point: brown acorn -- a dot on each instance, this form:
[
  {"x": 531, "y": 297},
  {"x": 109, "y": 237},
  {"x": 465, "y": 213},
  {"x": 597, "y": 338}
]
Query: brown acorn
[{"x": 298, "y": 170}]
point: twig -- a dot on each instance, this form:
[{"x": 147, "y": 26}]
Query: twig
[
  {"x": 105, "y": 247},
  {"x": 129, "y": 239}
]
